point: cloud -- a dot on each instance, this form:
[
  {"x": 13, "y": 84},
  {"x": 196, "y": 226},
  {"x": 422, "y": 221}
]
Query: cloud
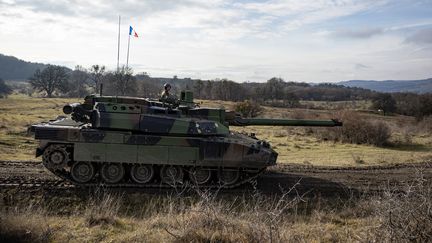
[
  {"x": 239, "y": 40},
  {"x": 423, "y": 36},
  {"x": 107, "y": 9},
  {"x": 359, "y": 66},
  {"x": 357, "y": 34},
  {"x": 274, "y": 14},
  {"x": 295, "y": 14},
  {"x": 60, "y": 7}
]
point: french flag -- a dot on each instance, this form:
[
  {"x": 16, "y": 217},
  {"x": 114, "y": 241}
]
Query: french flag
[{"x": 132, "y": 30}]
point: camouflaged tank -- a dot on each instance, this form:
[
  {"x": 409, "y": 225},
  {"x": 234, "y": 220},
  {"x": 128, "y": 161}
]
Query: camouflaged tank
[{"x": 128, "y": 141}]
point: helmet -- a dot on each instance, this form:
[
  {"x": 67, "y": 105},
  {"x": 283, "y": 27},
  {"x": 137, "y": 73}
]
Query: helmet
[{"x": 166, "y": 85}]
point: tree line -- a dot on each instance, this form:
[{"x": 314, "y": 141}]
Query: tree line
[{"x": 60, "y": 81}]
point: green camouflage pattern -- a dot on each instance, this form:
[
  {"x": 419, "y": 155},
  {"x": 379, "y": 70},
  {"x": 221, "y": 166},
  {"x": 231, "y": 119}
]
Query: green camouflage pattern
[{"x": 126, "y": 132}]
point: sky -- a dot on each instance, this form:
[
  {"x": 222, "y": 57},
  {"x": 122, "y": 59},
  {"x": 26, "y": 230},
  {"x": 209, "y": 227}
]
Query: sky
[{"x": 297, "y": 40}]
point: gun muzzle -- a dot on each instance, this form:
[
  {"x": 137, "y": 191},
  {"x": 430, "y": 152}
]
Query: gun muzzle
[{"x": 69, "y": 108}]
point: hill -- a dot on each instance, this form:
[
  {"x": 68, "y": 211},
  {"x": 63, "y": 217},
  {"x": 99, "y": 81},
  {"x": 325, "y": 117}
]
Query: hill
[
  {"x": 416, "y": 86},
  {"x": 12, "y": 68}
]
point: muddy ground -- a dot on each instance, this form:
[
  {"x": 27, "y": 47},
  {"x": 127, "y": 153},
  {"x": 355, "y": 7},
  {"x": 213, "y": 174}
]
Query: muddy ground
[{"x": 31, "y": 178}]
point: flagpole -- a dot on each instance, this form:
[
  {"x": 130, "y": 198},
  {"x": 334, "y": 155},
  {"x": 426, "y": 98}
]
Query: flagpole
[
  {"x": 118, "y": 45},
  {"x": 127, "y": 59}
]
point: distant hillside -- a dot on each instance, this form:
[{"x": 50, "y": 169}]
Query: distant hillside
[
  {"x": 12, "y": 68},
  {"x": 416, "y": 86}
]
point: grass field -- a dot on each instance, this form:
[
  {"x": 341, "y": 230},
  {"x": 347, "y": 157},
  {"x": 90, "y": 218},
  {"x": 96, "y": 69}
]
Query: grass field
[
  {"x": 17, "y": 113},
  {"x": 300, "y": 145},
  {"x": 294, "y": 144},
  {"x": 189, "y": 220},
  {"x": 394, "y": 215}
]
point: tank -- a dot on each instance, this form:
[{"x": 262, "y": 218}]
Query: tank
[{"x": 143, "y": 142}]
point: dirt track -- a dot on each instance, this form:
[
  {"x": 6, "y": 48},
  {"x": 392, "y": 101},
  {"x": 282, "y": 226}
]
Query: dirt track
[{"x": 312, "y": 180}]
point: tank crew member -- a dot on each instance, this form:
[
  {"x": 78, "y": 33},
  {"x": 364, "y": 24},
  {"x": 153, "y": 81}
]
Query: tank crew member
[
  {"x": 166, "y": 96},
  {"x": 165, "y": 93}
]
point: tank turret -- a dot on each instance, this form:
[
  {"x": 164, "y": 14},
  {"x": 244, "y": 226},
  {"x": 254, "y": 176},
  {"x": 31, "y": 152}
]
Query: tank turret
[
  {"x": 130, "y": 141},
  {"x": 182, "y": 117}
]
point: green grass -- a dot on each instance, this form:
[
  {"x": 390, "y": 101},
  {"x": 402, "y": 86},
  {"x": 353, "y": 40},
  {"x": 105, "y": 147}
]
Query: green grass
[{"x": 294, "y": 145}]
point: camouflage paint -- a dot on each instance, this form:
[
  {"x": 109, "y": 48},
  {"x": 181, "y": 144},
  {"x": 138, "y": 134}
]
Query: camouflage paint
[{"x": 143, "y": 131}]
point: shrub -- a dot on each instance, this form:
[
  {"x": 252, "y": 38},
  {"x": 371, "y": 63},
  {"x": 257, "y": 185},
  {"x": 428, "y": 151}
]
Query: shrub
[
  {"x": 358, "y": 130},
  {"x": 384, "y": 102},
  {"x": 406, "y": 216},
  {"x": 425, "y": 125},
  {"x": 248, "y": 108},
  {"x": 5, "y": 90}
]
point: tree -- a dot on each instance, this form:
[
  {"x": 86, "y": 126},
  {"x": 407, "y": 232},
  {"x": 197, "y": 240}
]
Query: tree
[
  {"x": 425, "y": 108},
  {"x": 274, "y": 88},
  {"x": 97, "y": 74},
  {"x": 77, "y": 85},
  {"x": 384, "y": 102},
  {"x": 5, "y": 90},
  {"x": 49, "y": 80},
  {"x": 122, "y": 82},
  {"x": 198, "y": 87}
]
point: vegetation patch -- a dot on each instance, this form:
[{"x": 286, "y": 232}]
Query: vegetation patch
[{"x": 396, "y": 215}]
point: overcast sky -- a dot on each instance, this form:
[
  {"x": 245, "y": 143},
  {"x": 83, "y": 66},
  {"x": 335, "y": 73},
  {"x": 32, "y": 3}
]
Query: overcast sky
[{"x": 299, "y": 40}]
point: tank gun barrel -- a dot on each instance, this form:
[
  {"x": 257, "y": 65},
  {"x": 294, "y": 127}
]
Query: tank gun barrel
[{"x": 283, "y": 122}]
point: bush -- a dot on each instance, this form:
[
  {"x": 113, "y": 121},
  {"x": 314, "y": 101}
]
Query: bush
[
  {"x": 407, "y": 215},
  {"x": 5, "y": 90},
  {"x": 358, "y": 130},
  {"x": 425, "y": 125},
  {"x": 384, "y": 102},
  {"x": 248, "y": 108}
]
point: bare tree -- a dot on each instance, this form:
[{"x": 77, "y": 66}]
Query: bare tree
[
  {"x": 78, "y": 82},
  {"x": 5, "y": 90},
  {"x": 97, "y": 74},
  {"x": 122, "y": 82},
  {"x": 49, "y": 80}
]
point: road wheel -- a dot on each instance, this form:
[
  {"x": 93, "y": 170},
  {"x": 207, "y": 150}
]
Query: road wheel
[
  {"x": 200, "y": 176},
  {"x": 112, "y": 172},
  {"x": 228, "y": 177},
  {"x": 171, "y": 174},
  {"x": 142, "y": 173},
  {"x": 55, "y": 157},
  {"x": 82, "y": 172}
]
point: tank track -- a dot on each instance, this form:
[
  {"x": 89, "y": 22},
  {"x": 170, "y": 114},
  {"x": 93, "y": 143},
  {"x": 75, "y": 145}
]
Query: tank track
[{"x": 96, "y": 181}]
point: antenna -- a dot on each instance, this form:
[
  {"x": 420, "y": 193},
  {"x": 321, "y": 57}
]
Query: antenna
[
  {"x": 118, "y": 44},
  {"x": 100, "y": 90}
]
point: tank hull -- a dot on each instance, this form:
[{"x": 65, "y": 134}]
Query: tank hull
[{"x": 64, "y": 146}]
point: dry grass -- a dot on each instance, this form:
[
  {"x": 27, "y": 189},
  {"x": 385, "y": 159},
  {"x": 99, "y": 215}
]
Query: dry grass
[
  {"x": 208, "y": 217},
  {"x": 406, "y": 216},
  {"x": 411, "y": 141},
  {"x": 337, "y": 105},
  {"x": 17, "y": 113}
]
